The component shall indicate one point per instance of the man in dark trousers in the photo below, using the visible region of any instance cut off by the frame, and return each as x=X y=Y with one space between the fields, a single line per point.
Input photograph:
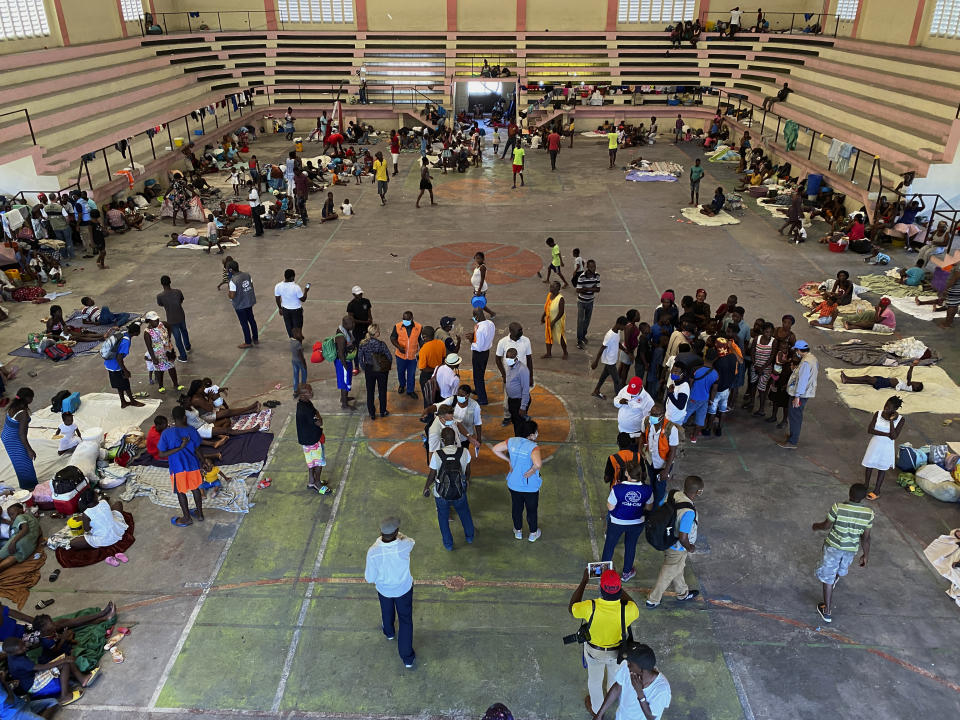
x=388 y=567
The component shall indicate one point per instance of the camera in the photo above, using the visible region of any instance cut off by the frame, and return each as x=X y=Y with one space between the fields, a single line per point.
x=580 y=636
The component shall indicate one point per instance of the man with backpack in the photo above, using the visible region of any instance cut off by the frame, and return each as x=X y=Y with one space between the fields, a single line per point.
x=673 y=528
x=448 y=479
x=113 y=351
x=607 y=621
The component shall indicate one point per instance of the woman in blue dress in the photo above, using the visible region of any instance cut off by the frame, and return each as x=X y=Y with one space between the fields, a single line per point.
x=523 y=480
x=14 y=438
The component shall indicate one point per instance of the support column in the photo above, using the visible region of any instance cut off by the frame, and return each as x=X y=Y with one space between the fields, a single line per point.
x=611 y=15
x=521 y=15
x=123 y=23
x=62 y=22
x=270 y=7
x=451 y=15
x=918 y=18
x=360 y=13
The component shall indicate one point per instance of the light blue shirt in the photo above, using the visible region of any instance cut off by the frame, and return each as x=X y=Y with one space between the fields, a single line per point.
x=388 y=566
x=803 y=378
x=520 y=450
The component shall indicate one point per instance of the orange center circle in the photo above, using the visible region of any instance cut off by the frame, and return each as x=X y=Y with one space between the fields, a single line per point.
x=453 y=264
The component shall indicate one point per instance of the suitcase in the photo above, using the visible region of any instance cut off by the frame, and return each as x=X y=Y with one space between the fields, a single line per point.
x=67 y=485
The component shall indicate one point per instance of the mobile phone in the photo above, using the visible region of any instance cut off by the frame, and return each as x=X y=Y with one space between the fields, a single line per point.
x=595 y=569
x=308 y=286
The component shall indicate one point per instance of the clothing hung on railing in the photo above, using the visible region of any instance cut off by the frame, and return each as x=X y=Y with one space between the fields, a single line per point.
x=791 y=131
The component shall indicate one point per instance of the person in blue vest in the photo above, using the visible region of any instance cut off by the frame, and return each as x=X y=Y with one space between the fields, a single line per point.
x=629 y=500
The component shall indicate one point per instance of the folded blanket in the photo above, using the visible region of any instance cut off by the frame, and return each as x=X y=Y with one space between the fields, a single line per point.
x=694 y=215
x=886 y=285
x=16 y=581
x=81 y=558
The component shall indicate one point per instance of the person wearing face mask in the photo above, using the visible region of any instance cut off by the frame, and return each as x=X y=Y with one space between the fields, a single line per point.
x=431 y=357
x=516 y=386
x=514 y=340
x=450 y=476
x=466 y=411
x=444 y=418
x=659 y=440
x=405 y=337
x=523 y=479
x=446 y=377
x=677 y=394
x=480 y=341
x=373 y=357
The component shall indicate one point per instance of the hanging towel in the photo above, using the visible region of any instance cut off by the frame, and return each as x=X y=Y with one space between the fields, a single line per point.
x=834 y=152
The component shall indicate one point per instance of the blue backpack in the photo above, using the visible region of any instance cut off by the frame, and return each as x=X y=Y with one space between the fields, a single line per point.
x=910 y=459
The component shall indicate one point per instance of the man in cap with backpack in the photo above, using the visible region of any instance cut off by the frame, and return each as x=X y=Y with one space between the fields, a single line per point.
x=673 y=528
x=449 y=478
x=113 y=351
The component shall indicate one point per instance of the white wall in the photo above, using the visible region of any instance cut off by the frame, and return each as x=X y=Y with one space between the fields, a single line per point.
x=943 y=179
x=21 y=174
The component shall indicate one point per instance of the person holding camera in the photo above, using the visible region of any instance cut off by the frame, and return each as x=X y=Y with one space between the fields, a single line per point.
x=641 y=689
x=603 y=633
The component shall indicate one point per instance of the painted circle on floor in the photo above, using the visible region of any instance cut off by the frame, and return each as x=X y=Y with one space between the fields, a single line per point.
x=398 y=438
x=453 y=264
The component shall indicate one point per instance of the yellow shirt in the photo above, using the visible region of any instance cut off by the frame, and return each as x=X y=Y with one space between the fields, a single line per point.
x=380 y=168
x=605 y=629
x=612 y=140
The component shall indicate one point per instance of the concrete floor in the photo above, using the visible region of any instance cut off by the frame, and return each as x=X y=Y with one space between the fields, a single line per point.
x=266 y=615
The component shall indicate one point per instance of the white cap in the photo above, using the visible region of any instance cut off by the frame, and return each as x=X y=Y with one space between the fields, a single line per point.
x=151 y=316
x=356 y=290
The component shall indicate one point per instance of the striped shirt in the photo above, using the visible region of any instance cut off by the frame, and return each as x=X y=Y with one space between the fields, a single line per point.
x=587 y=287
x=850 y=520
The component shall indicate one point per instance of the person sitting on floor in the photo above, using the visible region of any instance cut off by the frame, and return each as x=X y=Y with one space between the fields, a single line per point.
x=881 y=320
x=57 y=328
x=880 y=382
x=47 y=679
x=24 y=536
x=103 y=523
x=116 y=222
x=132 y=215
x=877 y=257
x=716 y=205
x=826 y=311
x=912 y=276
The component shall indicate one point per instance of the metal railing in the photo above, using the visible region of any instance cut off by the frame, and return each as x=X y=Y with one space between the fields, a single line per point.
x=936 y=207
x=33 y=136
x=22 y=194
x=184 y=21
x=779 y=22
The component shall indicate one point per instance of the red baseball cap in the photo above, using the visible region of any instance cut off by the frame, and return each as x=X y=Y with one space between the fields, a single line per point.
x=610 y=582
x=634 y=386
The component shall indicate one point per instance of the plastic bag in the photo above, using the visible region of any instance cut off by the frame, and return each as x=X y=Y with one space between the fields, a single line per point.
x=936 y=481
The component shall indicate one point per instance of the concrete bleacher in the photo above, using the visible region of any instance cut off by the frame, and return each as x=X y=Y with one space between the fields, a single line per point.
x=88 y=97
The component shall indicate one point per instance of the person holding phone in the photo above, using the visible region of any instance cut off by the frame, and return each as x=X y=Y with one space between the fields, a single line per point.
x=606 y=632
x=290 y=299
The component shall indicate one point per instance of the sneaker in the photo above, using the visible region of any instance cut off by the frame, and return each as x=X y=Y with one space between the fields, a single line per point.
x=822 y=612
x=718 y=432
x=183 y=360
x=691 y=594
x=706 y=432
x=787 y=445
x=534 y=536
x=518 y=534
x=651 y=606
x=628 y=575
x=410 y=665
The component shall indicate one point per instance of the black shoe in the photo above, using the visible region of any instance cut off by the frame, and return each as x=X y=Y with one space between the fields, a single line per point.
x=718 y=432
x=373 y=417
x=400 y=390
x=412 y=395
x=689 y=596
x=384 y=413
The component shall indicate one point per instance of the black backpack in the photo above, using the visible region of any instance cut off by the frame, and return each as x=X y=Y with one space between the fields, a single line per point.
x=661 y=524
x=451 y=484
x=67 y=480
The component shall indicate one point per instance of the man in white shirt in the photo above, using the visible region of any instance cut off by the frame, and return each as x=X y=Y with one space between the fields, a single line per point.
x=446 y=376
x=633 y=404
x=516 y=340
x=449 y=451
x=735 y=15
x=608 y=354
x=256 y=210
x=290 y=299
x=480 y=343
x=643 y=691
x=388 y=567
x=466 y=411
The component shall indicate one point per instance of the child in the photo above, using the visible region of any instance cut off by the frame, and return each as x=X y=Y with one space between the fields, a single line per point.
x=357 y=172
x=153 y=435
x=215 y=394
x=826 y=311
x=496 y=141
x=327 y=212
x=213 y=236
x=235 y=181
x=879 y=382
x=912 y=276
x=579 y=265
x=656 y=365
x=69 y=434
x=99 y=239
x=46 y=680
x=337 y=180
x=779 y=377
x=346 y=209
x=298 y=360
x=90 y=314
x=227 y=272
x=556 y=262
x=876 y=257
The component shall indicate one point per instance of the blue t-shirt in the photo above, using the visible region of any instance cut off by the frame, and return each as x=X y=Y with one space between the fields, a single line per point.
x=183 y=460
x=20 y=668
x=684 y=525
x=628 y=500
x=914 y=276
x=909 y=215
x=123 y=348
x=520 y=450
x=8 y=626
x=703 y=380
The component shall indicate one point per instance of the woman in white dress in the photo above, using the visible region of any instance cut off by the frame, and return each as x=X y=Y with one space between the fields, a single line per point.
x=479 y=282
x=884 y=428
x=103 y=523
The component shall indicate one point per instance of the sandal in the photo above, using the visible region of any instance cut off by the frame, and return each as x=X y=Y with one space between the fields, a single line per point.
x=77 y=694
x=94 y=676
x=44 y=604
x=271 y=403
x=872 y=496
x=121 y=557
x=196 y=514
x=112 y=561
x=175 y=521
x=54 y=575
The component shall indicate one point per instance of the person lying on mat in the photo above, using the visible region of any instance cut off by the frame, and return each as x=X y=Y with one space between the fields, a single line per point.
x=57 y=328
x=826 y=312
x=24 y=535
x=207 y=447
x=716 y=205
x=880 y=382
x=178 y=239
x=103 y=522
x=883 y=319
x=51 y=679
x=208 y=406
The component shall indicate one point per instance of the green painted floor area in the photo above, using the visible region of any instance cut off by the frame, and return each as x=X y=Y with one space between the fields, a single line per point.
x=493 y=612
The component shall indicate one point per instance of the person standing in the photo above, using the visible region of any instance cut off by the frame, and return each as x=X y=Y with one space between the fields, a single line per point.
x=479 y=281
x=629 y=500
x=514 y=339
x=242 y=296
x=608 y=353
x=375 y=359
x=518 y=153
x=382 y=175
x=171 y=300
x=180 y=445
x=849 y=526
x=553 y=147
x=388 y=567
x=659 y=440
x=554 y=320
x=256 y=209
x=641 y=689
x=405 y=337
x=310 y=437
x=301 y=189
x=801 y=387
x=361 y=310
x=290 y=299
x=609 y=616
x=675 y=556
x=523 y=479
x=512 y=131
x=431 y=356
x=298 y=361
x=426 y=181
x=160 y=353
x=588 y=285
x=696 y=175
x=394 y=149
x=678 y=129
x=516 y=387
x=448 y=480
x=480 y=343
x=735 y=18
x=343 y=362
x=612 y=144
x=117 y=369
x=16 y=423
x=884 y=429
x=633 y=404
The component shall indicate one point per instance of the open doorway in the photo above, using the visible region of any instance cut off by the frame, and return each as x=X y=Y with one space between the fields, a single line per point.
x=482 y=96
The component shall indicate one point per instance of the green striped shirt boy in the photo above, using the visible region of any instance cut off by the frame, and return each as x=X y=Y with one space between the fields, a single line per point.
x=850 y=520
